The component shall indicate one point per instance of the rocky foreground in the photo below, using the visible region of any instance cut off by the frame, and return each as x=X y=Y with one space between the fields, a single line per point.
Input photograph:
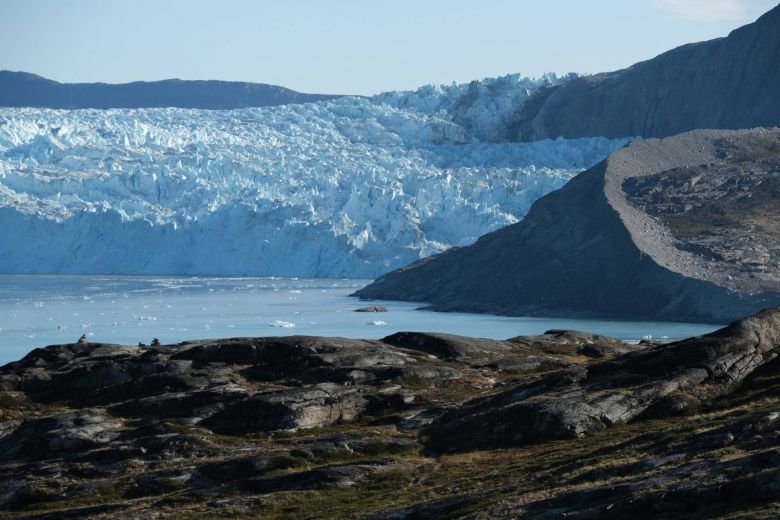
x=684 y=228
x=416 y=425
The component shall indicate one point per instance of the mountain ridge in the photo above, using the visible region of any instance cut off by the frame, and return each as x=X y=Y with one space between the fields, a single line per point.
x=25 y=89
x=726 y=83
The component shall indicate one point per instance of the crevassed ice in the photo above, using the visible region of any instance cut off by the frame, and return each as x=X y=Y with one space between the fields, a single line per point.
x=352 y=187
x=485 y=109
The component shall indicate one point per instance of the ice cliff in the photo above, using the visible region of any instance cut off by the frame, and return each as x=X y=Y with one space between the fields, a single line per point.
x=348 y=187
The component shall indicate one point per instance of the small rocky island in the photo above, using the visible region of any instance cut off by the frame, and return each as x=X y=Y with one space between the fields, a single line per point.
x=566 y=424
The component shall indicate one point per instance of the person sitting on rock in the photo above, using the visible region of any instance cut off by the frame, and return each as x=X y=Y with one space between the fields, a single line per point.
x=83 y=340
x=156 y=342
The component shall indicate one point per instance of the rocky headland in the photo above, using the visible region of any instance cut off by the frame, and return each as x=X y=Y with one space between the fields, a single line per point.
x=415 y=425
x=685 y=228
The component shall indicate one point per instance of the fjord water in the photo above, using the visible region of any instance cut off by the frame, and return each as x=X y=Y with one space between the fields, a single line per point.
x=41 y=310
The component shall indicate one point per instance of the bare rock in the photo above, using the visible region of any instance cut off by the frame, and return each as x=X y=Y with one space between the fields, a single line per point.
x=372 y=308
x=310 y=407
x=59 y=435
x=580 y=400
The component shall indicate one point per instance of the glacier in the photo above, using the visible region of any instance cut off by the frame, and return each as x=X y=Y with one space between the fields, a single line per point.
x=486 y=109
x=351 y=187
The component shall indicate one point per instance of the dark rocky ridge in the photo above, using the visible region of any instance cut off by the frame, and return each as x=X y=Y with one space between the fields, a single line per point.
x=337 y=428
x=657 y=231
x=21 y=89
x=726 y=83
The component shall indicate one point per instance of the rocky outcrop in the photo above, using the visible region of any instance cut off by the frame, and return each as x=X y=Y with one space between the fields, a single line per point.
x=658 y=381
x=448 y=346
x=21 y=89
x=573 y=342
x=340 y=428
x=726 y=83
x=682 y=229
x=321 y=405
x=372 y=308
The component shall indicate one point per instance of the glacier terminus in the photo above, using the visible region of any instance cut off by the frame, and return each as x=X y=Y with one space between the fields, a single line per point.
x=346 y=187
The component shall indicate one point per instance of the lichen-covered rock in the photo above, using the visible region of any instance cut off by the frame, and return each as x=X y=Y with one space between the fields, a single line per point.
x=583 y=399
x=310 y=407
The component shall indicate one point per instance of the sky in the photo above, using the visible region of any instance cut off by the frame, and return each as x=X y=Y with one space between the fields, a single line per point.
x=350 y=46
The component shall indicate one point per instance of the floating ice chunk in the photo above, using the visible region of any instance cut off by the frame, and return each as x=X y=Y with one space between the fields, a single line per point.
x=378 y=323
x=282 y=324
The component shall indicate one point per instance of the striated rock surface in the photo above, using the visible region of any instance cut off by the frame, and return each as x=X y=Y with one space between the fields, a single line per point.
x=657 y=381
x=684 y=228
x=724 y=83
x=414 y=425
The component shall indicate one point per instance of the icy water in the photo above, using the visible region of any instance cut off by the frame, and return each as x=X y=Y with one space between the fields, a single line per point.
x=42 y=310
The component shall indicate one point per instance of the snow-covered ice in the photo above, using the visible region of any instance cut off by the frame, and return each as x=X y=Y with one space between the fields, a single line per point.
x=352 y=187
x=282 y=324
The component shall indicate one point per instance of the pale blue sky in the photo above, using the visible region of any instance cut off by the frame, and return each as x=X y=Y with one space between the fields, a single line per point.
x=349 y=46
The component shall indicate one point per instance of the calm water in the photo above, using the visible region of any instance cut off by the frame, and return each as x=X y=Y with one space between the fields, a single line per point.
x=41 y=310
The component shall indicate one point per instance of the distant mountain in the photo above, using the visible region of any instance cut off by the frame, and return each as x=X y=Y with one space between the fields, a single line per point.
x=726 y=83
x=21 y=89
x=681 y=229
